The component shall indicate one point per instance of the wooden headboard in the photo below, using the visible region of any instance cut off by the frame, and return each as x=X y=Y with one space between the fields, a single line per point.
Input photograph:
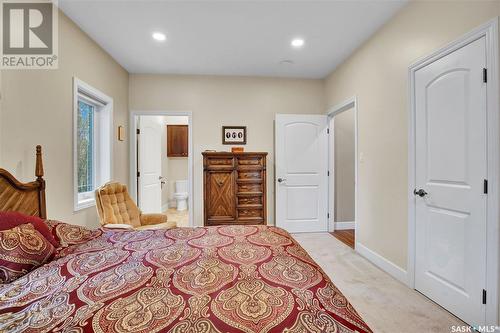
x=26 y=198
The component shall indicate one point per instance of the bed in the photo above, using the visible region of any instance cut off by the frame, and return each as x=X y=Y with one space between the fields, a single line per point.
x=208 y=279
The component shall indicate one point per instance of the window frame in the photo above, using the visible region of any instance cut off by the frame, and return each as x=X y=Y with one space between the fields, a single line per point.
x=103 y=140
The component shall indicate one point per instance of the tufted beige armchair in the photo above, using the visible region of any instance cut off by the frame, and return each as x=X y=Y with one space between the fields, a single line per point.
x=115 y=207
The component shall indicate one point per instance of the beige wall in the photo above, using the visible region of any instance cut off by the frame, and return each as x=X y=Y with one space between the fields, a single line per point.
x=377 y=73
x=344 y=165
x=1 y=120
x=37 y=108
x=216 y=101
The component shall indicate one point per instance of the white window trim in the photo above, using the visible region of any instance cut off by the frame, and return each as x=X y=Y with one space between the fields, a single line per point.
x=104 y=153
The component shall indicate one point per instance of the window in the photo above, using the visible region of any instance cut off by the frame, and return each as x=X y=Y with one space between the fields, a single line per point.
x=85 y=147
x=93 y=112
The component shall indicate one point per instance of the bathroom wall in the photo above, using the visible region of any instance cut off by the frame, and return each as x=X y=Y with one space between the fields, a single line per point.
x=173 y=168
x=344 y=152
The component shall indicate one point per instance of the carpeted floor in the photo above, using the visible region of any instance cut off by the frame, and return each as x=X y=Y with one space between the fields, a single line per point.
x=384 y=303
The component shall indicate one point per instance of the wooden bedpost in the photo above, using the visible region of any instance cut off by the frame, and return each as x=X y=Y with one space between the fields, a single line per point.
x=41 y=181
x=39 y=163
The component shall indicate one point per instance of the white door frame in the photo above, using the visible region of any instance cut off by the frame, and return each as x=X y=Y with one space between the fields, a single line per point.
x=133 y=152
x=350 y=103
x=488 y=30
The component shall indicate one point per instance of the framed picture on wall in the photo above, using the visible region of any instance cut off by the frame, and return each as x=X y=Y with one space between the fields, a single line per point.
x=234 y=135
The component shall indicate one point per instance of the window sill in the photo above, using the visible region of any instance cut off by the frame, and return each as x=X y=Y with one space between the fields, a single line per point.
x=83 y=204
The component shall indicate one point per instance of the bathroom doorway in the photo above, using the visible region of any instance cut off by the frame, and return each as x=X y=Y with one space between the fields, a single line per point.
x=343 y=171
x=161 y=162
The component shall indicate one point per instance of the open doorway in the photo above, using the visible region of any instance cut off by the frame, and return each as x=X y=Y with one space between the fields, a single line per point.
x=343 y=166
x=161 y=164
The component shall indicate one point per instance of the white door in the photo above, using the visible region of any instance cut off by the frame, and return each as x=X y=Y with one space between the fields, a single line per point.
x=451 y=158
x=301 y=172
x=149 y=164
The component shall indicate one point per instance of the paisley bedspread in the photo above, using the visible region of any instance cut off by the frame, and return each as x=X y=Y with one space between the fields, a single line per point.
x=217 y=279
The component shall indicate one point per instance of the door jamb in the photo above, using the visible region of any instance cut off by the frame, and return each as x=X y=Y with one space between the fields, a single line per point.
x=350 y=103
x=133 y=152
x=489 y=30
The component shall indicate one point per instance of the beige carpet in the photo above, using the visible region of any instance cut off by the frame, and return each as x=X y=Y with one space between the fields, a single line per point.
x=385 y=304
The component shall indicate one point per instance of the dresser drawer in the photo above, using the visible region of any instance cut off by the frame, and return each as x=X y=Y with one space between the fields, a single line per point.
x=250 y=162
x=249 y=175
x=217 y=162
x=249 y=213
x=249 y=200
x=245 y=188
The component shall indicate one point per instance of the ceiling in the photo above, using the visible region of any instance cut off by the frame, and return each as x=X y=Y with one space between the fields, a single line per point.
x=248 y=38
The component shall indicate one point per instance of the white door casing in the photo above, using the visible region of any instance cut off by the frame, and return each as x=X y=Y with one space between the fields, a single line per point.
x=451 y=166
x=149 y=164
x=301 y=155
x=350 y=103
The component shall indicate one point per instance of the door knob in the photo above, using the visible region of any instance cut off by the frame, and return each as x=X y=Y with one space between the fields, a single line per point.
x=421 y=192
x=281 y=180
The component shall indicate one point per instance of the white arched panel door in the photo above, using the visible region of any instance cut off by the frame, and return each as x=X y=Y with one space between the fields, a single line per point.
x=301 y=172
x=451 y=168
x=149 y=164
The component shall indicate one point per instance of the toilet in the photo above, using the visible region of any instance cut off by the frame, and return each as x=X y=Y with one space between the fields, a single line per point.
x=181 y=194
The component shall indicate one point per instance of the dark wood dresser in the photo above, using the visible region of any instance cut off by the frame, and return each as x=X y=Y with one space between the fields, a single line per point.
x=234 y=186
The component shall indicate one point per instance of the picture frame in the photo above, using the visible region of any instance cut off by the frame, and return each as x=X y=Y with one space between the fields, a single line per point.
x=234 y=135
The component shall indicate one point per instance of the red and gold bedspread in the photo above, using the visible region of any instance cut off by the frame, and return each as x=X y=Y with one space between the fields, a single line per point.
x=217 y=279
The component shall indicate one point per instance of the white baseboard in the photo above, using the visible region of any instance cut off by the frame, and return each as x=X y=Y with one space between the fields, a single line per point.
x=331 y=226
x=344 y=225
x=387 y=266
x=340 y=225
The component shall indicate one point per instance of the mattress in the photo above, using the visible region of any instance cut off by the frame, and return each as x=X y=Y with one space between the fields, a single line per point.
x=216 y=279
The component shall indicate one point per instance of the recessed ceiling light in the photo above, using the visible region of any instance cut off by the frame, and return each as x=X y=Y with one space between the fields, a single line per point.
x=286 y=62
x=159 y=36
x=297 y=43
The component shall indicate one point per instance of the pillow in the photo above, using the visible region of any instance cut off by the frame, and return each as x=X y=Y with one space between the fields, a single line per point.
x=9 y=220
x=22 y=249
x=71 y=234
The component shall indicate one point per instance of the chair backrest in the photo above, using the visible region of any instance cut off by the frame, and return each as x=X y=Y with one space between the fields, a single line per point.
x=114 y=205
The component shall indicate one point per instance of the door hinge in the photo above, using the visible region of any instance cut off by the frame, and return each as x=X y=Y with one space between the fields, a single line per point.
x=484 y=296
x=485 y=186
x=138 y=174
x=485 y=75
x=138 y=131
x=328 y=173
x=327 y=215
x=327 y=131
